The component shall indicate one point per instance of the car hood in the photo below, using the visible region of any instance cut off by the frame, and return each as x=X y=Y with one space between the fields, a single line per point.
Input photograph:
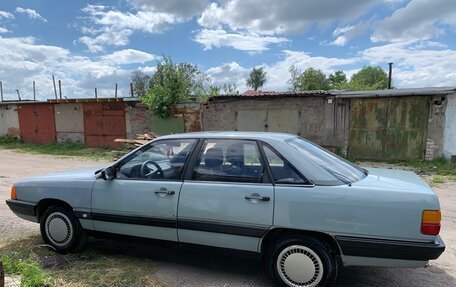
x=74 y=174
x=394 y=179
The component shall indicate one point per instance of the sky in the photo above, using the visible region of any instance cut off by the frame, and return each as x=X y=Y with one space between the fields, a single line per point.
x=96 y=44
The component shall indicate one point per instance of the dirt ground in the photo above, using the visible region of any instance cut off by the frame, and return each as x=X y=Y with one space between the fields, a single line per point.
x=189 y=267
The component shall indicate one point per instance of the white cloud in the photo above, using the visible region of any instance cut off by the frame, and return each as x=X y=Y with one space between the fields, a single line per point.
x=32 y=14
x=25 y=61
x=3 y=30
x=229 y=73
x=128 y=56
x=346 y=33
x=185 y=9
x=277 y=17
x=251 y=42
x=6 y=15
x=420 y=19
x=114 y=27
x=417 y=63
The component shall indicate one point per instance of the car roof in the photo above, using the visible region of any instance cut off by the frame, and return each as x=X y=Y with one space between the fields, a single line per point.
x=232 y=134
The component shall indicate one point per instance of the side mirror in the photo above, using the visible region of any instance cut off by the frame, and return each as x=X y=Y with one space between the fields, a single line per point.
x=108 y=173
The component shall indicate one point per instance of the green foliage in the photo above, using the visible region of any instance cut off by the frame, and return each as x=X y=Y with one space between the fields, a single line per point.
x=309 y=80
x=141 y=83
x=257 y=78
x=230 y=89
x=173 y=83
x=337 y=80
x=369 y=78
x=438 y=179
x=31 y=273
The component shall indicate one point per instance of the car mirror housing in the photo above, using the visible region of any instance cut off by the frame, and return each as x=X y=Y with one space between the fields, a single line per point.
x=108 y=173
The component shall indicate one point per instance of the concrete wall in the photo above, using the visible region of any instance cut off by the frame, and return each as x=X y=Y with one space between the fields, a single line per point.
x=323 y=120
x=436 y=124
x=449 y=134
x=69 y=122
x=9 y=121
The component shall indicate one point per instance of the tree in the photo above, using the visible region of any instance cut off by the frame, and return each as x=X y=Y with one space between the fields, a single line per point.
x=257 y=78
x=141 y=83
x=369 y=78
x=337 y=80
x=309 y=80
x=173 y=83
x=230 y=89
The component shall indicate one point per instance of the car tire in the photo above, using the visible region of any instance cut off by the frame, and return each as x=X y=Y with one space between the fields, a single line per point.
x=62 y=230
x=298 y=261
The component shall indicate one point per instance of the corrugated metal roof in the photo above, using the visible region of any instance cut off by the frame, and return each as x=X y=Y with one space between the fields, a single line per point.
x=344 y=93
x=396 y=92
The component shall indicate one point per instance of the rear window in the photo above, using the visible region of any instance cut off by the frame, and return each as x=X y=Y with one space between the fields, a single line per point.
x=339 y=167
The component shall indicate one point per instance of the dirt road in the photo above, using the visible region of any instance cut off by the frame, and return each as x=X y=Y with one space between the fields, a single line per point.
x=187 y=267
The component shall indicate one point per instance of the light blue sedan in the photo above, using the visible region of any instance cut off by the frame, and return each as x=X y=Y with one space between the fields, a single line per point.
x=305 y=210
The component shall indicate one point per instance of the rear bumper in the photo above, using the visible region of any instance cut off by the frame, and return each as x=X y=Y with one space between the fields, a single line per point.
x=391 y=249
x=22 y=207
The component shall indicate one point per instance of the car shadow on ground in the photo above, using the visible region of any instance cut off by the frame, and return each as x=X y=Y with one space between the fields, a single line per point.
x=197 y=266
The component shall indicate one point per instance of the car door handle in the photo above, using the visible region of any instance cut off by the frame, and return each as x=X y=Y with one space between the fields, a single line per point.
x=164 y=191
x=256 y=196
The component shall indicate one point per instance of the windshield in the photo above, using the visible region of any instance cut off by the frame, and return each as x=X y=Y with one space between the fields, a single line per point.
x=344 y=170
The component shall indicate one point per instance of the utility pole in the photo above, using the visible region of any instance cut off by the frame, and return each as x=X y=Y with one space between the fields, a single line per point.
x=115 y=94
x=1 y=91
x=390 y=74
x=60 y=89
x=55 y=89
x=96 y=93
x=34 y=92
x=18 y=95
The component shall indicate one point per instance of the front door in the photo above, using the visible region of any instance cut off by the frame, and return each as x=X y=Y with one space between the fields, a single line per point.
x=228 y=199
x=142 y=199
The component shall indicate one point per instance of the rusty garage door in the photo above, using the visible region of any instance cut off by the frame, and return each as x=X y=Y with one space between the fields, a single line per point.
x=388 y=128
x=285 y=120
x=37 y=123
x=103 y=123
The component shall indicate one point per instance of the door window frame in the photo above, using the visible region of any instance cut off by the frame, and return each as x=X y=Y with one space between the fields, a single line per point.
x=267 y=178
x=148 y=146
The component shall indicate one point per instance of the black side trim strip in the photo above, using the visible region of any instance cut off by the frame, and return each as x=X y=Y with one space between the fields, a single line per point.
x=208 y=226
x=21 y=207
x=250 y=231
x=138 y=220
x=392 y=249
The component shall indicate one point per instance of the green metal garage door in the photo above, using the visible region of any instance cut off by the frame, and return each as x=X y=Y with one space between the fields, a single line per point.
x=388 y=128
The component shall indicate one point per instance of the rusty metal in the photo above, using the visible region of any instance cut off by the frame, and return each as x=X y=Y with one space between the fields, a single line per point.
x=115 y=94
x=37 y=123
x=34 y=91
x=388 y=128
x=60 y=89
x=103 y=123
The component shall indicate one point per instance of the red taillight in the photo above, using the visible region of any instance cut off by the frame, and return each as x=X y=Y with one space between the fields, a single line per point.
x=430 y=229
x=430 y=222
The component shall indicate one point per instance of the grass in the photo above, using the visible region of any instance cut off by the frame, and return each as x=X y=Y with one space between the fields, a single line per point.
x=439 y=166
x=58 y=149
x=438 y=179
x=39 y=266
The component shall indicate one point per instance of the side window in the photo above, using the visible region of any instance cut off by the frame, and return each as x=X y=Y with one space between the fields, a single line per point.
x=162 y=160
x=282 y=171
x=229 y=161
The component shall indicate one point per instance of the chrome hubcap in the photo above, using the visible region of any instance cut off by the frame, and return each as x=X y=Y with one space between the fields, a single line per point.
x=299 y=266
x=59 y=229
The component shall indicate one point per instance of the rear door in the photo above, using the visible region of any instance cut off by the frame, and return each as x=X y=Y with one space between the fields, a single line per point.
x=227 y=200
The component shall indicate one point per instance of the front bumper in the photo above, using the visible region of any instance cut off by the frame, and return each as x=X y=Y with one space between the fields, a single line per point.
x=22 y=207
x=391 y=249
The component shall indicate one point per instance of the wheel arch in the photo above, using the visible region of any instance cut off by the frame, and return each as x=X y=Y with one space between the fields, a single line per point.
x=48 y=202
x=272 y=235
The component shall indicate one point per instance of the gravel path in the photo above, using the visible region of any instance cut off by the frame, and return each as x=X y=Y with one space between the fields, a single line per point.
x=188 y=267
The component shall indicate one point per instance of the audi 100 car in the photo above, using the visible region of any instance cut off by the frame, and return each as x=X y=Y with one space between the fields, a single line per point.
x=306 y=211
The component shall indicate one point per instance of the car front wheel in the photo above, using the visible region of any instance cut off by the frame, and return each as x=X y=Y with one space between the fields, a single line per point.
x=301 y=261
x=62 y=230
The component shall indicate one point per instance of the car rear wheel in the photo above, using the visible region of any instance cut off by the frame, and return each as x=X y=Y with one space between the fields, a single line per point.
x=62 y=230
x=301 y=261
